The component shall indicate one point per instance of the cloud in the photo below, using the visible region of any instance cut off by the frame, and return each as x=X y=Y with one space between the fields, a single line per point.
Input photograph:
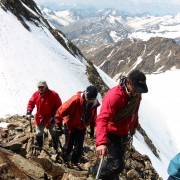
x=173 y=2
x=113 y=2
x=157 y=7
x=176 y=2
x=141 y=1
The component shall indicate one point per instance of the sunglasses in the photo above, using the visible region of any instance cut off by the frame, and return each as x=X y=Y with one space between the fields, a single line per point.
x=41 y=87
x=91 y=99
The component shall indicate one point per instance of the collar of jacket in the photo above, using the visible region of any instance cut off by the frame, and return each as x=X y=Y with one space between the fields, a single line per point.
x=45 y=92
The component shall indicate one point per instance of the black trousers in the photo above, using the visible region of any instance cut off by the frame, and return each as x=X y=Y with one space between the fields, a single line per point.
x=114 y=163
x=74 y=143
x=171 y=178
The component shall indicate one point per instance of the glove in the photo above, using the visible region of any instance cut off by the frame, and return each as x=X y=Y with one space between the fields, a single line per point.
x=59 y=130
x=133 y=132
x=92 y=133
x=28 y=115
x=52 y=120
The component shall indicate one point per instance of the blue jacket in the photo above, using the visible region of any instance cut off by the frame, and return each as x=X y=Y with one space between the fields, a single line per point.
x=174 y=167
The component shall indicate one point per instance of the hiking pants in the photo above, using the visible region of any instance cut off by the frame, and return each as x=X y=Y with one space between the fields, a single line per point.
x=40 y=132
x=114 y=163
x=74 y=141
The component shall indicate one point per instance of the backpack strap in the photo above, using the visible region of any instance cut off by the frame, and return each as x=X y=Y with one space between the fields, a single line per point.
x=128 y=110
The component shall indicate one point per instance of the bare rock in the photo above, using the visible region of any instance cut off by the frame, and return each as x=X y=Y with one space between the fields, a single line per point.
x=132 y=175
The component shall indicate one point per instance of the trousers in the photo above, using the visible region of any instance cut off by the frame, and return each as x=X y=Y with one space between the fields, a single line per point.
x=113 y=164
x=74 y=141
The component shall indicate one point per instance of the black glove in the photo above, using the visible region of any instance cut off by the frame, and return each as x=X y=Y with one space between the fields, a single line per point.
x=28 y=115
x=52 y=120
x=59 y=130
x=133 y=132
x=28 y=112
x=92 y=133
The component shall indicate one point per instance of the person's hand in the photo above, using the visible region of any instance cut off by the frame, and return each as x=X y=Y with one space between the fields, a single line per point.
x=52 y=120
x=133 y=132
x=59 y=129
x=101 y=150
x=29 y=115
x=91 y=133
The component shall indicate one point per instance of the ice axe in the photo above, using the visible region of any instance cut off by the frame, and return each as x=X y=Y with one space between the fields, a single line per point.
x=99 y=168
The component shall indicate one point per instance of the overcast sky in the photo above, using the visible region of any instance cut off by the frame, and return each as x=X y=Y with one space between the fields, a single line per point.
x=156 y=7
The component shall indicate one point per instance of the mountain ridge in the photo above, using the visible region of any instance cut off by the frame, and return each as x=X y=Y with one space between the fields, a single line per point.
x=156 y=55
x=108 y=29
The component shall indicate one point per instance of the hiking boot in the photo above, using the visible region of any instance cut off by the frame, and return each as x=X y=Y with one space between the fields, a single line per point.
x=63 y=158
x=92 y=172
x=54 y=151
x=36 y=150
x=76 y=167
x=67 y=165
x=39 y=141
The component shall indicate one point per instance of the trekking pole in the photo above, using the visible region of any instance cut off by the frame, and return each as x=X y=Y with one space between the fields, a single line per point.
x=60 y=145
x=31 y=130
x=99 y=168
x=30 y=125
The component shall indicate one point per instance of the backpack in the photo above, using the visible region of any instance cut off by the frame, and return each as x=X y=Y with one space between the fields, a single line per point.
x=174 y=167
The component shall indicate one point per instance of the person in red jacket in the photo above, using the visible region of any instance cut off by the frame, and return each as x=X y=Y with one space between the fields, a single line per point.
x=117 y=122
x=77 y=113
x=47 y=102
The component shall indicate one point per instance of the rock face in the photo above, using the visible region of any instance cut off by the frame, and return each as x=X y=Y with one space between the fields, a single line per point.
x=154 y=56
x=18 y=159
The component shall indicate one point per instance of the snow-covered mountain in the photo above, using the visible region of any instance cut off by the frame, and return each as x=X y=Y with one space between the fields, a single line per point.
x=149 y=26
x=31 y=50
x=115 y=41
x=112 y=26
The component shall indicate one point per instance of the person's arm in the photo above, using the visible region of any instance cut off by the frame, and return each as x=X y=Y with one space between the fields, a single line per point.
x=31 y=104
x=65 y=109
x=92 y=123
x=105 y=115
x=101 y=133
x=58 y=102
x=111 y=102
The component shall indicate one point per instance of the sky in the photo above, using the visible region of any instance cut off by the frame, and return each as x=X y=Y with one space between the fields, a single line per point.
x=155 y=7
x=29 y=56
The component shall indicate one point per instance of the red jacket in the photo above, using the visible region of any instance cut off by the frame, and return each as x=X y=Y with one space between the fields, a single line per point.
x=71 y=112
x=114 y=100
x=46 y=105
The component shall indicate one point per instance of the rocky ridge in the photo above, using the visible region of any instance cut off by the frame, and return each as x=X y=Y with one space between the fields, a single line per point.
x=19 y=160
